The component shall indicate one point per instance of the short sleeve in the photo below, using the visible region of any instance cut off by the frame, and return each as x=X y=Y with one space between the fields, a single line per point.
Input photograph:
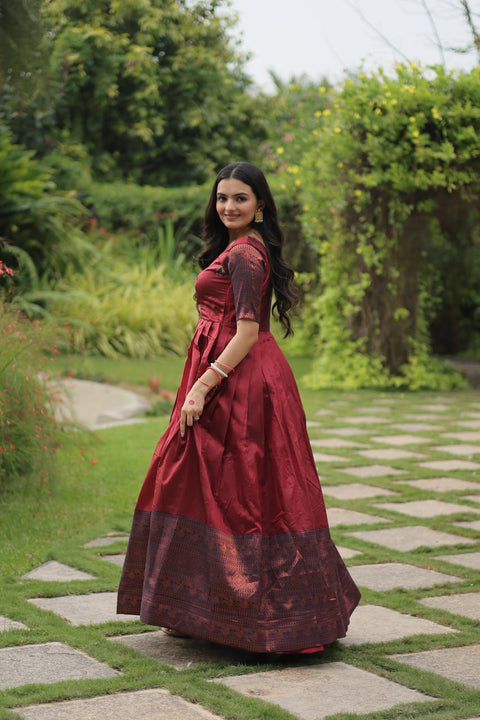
x=246 y=268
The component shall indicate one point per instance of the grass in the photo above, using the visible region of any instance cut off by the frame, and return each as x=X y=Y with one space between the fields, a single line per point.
x=95 y=492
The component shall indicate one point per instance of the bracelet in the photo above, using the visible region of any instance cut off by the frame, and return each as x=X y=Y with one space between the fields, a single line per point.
x=204 y=383
x=217 y=373
x=225 y=365
x=218 y=370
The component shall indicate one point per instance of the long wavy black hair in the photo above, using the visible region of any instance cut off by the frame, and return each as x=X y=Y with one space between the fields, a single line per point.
x=216 y=237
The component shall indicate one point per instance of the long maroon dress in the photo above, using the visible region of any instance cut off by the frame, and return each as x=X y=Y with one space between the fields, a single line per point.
x=230 y=538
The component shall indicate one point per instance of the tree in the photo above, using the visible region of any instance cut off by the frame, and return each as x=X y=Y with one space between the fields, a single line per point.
x=391 y=199
x=153 y=89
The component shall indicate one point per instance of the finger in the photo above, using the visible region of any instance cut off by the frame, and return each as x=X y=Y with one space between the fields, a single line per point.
x=182 y=424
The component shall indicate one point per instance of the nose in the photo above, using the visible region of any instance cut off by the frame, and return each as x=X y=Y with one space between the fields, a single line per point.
x=229 y=205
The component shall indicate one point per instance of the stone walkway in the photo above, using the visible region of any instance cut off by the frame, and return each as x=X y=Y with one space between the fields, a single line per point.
x=406 y=518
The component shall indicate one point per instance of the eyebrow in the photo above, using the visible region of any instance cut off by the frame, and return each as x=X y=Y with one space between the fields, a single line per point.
x=239 y=194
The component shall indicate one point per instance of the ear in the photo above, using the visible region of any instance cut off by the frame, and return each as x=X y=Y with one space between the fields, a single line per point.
x=261 y=205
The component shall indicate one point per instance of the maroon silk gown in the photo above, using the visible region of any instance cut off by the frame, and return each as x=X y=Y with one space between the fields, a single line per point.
x=230 y=538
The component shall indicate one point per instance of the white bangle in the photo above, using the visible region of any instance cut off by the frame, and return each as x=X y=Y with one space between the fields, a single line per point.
x=218 y=370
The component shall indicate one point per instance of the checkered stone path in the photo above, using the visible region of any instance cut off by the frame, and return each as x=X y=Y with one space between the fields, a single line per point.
x=313 y=693
x=387 y=576
x=410 y=537
x=442 y=484
x=48 y=663
x=376 y=624
x=8 y=624
x=56 y=572
x=467 y=604
x=468 y=559
x=426 y=508
x=141 y=705
x=90 y=609
x=354 y=491
x=458 y=664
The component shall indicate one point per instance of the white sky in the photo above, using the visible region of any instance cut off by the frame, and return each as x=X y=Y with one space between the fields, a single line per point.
x=325 y=37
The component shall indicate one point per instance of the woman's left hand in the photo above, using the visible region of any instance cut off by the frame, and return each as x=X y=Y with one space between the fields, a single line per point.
x=192 y=409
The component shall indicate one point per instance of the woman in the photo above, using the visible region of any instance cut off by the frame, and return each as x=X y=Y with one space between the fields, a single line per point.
x=230 y=538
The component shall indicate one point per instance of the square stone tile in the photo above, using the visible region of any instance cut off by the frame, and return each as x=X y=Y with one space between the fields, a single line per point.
x=353 y=491
x=323 y=457
x=102 y=541
x=473 y=424
x=89 y=609
x=434 y=407
x=181 y=653
x=422 y=416
x=412 y=427
x=448 y=465
x=347 y=553
x=373 y=409
x=53 y=571
x=140 y=705
x=370 y=471
x=425 y=508
x=363 y=419
x=7 y=624
x=465 y=449
x=389 y=454
x=339 y=516
x=469 y=560
x=473 y=414
x=345 y=431
x=442 y=484
x=323 y=411
x=48 y=663
x=335 y=442
x=400 y=439
x=472 y=498
x=377 y=624
x=466 y=604
x=410 y=537
x=313 y=424
x=469 y=524
x=458 y=664
x=387 y=576
x=115 y=559
x=467 y=436
x=315 y=692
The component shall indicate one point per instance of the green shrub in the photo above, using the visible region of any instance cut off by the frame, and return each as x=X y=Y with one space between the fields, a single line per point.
x=390 y=188
x=29 y=432
x=126 y=304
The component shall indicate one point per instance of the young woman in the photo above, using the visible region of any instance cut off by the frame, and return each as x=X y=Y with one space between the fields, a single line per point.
x=230 y=538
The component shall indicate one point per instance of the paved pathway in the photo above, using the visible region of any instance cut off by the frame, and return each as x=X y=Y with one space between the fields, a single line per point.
x=439 y=527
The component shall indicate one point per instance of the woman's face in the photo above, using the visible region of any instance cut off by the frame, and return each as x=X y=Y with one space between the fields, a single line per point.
x=236 y=205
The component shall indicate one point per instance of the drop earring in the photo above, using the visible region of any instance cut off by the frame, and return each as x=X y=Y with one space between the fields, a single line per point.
x=258 y=215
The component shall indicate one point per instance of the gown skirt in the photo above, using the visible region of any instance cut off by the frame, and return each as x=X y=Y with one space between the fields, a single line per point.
x=230 y=540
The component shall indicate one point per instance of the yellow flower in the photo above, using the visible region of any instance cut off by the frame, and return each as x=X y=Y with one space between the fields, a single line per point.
x=297 y=182
x=435 y=113
x=412 y=119
x=327 y=112
x=337 y=130
x=357 y=193
x=377 y=111
x=318 y=113
x=293 y=169
x=279 y=150
x=321 y=89
x=415 y=133
x=340 y=164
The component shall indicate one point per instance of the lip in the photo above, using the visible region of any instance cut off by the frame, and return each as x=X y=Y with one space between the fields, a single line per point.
x=231 y=217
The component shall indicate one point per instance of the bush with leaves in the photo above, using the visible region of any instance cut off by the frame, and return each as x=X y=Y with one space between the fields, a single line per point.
x=392 y=178
x=129 y=300
x=39 y=232
x=29 y=432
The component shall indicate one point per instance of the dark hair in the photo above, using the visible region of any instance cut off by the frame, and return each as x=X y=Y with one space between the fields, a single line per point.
x=216 y=237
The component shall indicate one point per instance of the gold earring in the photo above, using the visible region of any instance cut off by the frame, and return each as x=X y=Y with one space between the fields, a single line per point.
x=258 y=215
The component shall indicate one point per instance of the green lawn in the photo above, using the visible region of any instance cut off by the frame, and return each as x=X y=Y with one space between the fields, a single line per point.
x=98 y=481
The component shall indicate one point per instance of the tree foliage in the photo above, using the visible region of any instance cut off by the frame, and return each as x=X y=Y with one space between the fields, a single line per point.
x=392 y=185
x=153 y=90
